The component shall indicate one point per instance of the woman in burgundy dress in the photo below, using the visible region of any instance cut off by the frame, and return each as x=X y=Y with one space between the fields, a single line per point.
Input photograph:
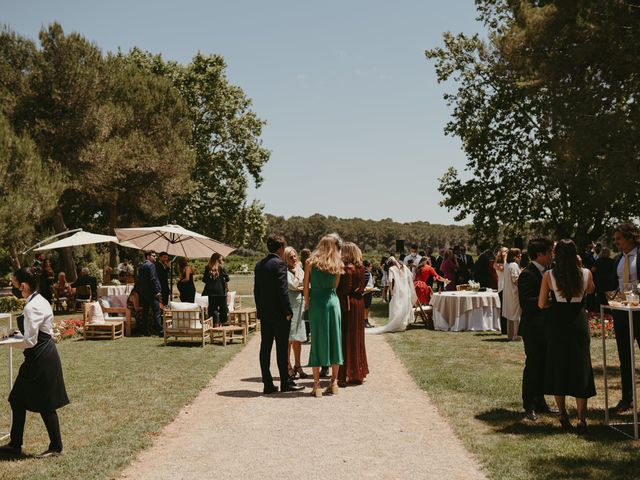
x=450 y=269
x=423 y=273
x=350 y=290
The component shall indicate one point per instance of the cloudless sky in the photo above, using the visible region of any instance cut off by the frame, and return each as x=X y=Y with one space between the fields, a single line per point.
x=354 y=114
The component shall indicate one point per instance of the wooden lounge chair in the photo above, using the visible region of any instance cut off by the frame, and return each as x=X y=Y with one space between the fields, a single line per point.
x=186 y=323
x=96 y=326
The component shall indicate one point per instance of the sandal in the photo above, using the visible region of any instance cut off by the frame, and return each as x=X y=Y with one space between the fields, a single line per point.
x=581 y=426
x=564 y=421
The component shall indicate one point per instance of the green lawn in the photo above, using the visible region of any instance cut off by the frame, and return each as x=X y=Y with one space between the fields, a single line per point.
x=122 y=393
x=475 y=381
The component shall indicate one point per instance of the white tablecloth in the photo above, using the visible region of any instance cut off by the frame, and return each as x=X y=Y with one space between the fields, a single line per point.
x=460 y=311
x=112 y=290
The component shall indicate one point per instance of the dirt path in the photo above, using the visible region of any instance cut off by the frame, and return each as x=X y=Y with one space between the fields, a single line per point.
x=386 y=428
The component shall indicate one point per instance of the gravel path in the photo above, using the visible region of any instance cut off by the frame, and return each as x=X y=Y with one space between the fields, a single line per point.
x=386 y=428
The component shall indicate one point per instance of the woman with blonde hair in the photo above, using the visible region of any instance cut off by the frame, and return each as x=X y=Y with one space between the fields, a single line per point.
x=511 y=302
x=216 y=282
x=297 y=332
x=350 y=292
x=322 y=271
x=498 y=265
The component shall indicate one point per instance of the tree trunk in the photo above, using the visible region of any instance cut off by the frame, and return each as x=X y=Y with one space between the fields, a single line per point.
x=113 y=223
x=67 y=253
x=15 y=257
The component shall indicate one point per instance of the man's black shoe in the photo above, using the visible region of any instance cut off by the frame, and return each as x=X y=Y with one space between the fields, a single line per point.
x=622 y=406
x=49 y=453
x=531 y=415
x=547 y=409
x=268 y=389
x=367 y=324
x=9 y=451
x=291 y=387
x=324 y=372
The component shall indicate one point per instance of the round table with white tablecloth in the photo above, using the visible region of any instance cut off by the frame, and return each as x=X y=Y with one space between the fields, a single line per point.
x=106 y=291
x=466 y=310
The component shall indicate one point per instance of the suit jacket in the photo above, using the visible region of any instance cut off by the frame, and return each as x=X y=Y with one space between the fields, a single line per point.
x=529 y=284
x=163 y=277
x=271 y=289
x=148 y=281
x=614 y=273
x=87 y=280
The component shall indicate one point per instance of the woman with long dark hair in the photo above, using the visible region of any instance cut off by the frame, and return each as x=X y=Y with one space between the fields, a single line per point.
x=216 y=282
x=568 y=368
x=186 y=286
x=39 y=386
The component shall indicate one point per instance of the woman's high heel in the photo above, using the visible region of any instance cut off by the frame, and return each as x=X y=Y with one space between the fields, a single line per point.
x=298 y=370
x=316 y=392
x=564 y=421
x=581 y=426
x=332 y=389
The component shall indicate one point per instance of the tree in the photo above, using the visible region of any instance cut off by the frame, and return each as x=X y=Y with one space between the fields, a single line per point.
x=226 y=141
x=29 y=189
x=547 y=110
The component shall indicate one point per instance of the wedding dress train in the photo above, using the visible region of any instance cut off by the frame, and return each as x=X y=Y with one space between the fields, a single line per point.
x=402 y=301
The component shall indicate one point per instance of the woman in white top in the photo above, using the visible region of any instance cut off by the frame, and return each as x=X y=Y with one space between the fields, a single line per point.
x=568 y=368
x=510 y=302
x=403 y=297
x=39 y=386
x=297 y=331
x=499 y=264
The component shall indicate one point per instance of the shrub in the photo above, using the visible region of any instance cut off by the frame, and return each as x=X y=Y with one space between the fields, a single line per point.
x=12 y=304
x=595 y=325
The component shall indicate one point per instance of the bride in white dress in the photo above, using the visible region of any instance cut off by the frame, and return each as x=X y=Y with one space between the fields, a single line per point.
x=402 y=300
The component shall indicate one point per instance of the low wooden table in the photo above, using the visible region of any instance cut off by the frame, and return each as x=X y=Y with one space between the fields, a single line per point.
x=229 y=333
x=248 y=317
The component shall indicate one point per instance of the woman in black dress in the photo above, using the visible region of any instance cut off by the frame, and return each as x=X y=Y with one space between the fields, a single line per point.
x=39 y=386
x=568 y=368
x=216 y=281
x=186 y=287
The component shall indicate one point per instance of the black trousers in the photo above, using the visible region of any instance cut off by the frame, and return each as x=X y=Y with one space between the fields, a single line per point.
x=535 y=349
x=277 y=330
x=153 y=305
x=50 y=421
x=621 y=326
x=503 y=320
x=218 y=309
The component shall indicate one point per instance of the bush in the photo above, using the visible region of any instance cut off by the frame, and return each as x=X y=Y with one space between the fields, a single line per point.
x=12 y=304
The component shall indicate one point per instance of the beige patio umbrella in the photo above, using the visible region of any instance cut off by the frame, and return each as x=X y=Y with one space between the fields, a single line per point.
x=77 y=239
x=172 y=239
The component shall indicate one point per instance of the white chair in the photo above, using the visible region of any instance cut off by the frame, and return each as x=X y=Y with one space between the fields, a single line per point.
x=186 y=321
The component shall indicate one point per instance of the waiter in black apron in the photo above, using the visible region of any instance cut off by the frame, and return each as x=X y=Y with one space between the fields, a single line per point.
x=39 y=386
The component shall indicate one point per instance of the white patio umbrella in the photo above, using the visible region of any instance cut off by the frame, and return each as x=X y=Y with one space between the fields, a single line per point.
x=77 y=239
x=174 y=240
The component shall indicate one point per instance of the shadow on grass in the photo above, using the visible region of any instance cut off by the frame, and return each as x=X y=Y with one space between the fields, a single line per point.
x=496 y=340
x=563 y=466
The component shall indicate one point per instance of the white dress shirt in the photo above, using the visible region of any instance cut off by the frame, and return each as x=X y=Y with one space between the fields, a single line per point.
x=633 y=270
x=38 y=316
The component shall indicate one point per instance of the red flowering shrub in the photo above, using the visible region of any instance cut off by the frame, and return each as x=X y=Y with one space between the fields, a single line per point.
x=595 y=325
x=67 y=329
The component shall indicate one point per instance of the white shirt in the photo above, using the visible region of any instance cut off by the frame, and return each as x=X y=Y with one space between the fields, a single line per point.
x=633 y=270
x=412 y=256
x=38 y=316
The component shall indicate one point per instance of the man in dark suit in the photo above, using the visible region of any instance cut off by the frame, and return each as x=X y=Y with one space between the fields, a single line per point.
x=271 y=293
x=626 y=238
x=532 y=327
x=162 y=270
x=150 y=294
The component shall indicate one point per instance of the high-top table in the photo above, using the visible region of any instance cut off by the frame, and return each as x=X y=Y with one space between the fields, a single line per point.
x=621 y=308
x=466 y=310
x=8 y=342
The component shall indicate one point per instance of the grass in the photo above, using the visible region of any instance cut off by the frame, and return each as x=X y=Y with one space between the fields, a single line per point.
x=122 y=393
x=475 y=381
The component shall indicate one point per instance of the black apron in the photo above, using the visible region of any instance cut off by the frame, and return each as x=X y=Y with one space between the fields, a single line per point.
x=39 y=386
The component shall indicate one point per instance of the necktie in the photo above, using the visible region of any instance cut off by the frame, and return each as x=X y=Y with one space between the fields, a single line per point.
x=626 y=274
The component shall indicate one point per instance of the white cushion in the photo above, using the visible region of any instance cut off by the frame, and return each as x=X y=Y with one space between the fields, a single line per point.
x=119 y=301
x=95 y=314
x=183 y=306
x=202 y=301
x=231 y=301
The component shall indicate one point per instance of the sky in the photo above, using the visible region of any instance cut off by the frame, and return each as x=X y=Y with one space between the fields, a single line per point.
x=354 y=113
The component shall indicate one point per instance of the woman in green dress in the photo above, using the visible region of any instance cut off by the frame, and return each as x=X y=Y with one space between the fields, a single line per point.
x=322 y=274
